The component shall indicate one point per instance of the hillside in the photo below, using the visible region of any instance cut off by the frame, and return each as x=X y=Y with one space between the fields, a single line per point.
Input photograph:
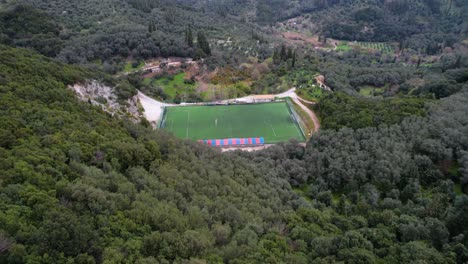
x=85 y=178
x=80 y=186
x=110 y=32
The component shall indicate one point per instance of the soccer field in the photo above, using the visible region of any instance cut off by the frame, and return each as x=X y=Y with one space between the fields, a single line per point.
x=273 y=121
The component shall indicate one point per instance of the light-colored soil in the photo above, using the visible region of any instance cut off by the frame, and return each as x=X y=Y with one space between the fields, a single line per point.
x=248 y=149
x=298 y=37
x=302 y=38
x=153 y=109
x=251 y=149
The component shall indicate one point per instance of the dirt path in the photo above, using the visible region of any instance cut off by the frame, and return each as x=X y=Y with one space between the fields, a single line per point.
x=305 y=101
x=292 y=94
x=309 y=112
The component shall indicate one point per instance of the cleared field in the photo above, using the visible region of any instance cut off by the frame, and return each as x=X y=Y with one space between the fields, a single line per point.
x=370 y=91
x=129 y=66
x=384 y=47
x=176 y=83
x=273 y=121
x=343 y=46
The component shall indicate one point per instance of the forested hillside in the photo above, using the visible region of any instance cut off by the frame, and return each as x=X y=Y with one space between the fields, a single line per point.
x=410 y=22
x=385 y=179
x=363 y=20
x=107 y=32
x=80 y=186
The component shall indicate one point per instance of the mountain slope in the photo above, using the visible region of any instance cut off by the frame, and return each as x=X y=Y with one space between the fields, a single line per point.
x=78 y=185
x=108 y=32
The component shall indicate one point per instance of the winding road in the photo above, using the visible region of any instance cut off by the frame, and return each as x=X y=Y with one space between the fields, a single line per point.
x=299 y=101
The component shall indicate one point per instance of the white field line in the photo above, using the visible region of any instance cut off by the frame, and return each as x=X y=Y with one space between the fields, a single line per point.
x=295 y=124
x=188 y=121
x=273 y=130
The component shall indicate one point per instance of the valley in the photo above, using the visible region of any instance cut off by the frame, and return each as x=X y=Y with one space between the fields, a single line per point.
x=234 y=131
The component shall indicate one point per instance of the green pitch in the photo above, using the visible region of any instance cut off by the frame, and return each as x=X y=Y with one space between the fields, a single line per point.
x=272 y=121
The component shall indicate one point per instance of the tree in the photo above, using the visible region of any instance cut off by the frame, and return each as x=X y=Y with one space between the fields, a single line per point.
x=151 y=26
x=342 y=207
x=283 y=55
x=293 y=64
x=438 y=233
x=203 y=43
x=189 y=36
x=290 y=54
x=457 y=216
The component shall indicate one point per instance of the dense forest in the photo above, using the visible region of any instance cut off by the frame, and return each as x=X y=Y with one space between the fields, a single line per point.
x=418 y=24
x=385 y=179
x=80 y=186
x=107 y=32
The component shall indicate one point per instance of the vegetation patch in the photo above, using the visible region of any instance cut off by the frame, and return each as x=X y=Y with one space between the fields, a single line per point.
x=171 y=88
x=343 y=46
x=133 y=66
x=175 y=83
x=383 y=47
x=369 y=91
x=313 y=93
x=339 y=110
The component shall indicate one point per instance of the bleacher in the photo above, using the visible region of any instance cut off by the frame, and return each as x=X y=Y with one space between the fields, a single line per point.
x=234 y=142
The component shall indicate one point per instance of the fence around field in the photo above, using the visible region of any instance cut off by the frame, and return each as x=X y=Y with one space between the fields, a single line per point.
x=162 y=120
x=297 y=118
x=230 y=102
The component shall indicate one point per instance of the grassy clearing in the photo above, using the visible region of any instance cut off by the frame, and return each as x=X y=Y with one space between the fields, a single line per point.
x=271 y=121
x=343 y=46
x=147 y=81
x=302 y=191
x=312 y=93
x=129 y=66
x=336 y=197
x=171 y=85
x=370 y=91
x=171 y=88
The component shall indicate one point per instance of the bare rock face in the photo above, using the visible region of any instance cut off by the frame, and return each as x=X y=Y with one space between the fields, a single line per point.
x=321 y=82
x=132 y=107
x=104 y=96
x=320 y=78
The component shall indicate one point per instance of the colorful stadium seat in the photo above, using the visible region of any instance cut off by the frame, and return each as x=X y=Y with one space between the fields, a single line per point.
x=226 y=142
